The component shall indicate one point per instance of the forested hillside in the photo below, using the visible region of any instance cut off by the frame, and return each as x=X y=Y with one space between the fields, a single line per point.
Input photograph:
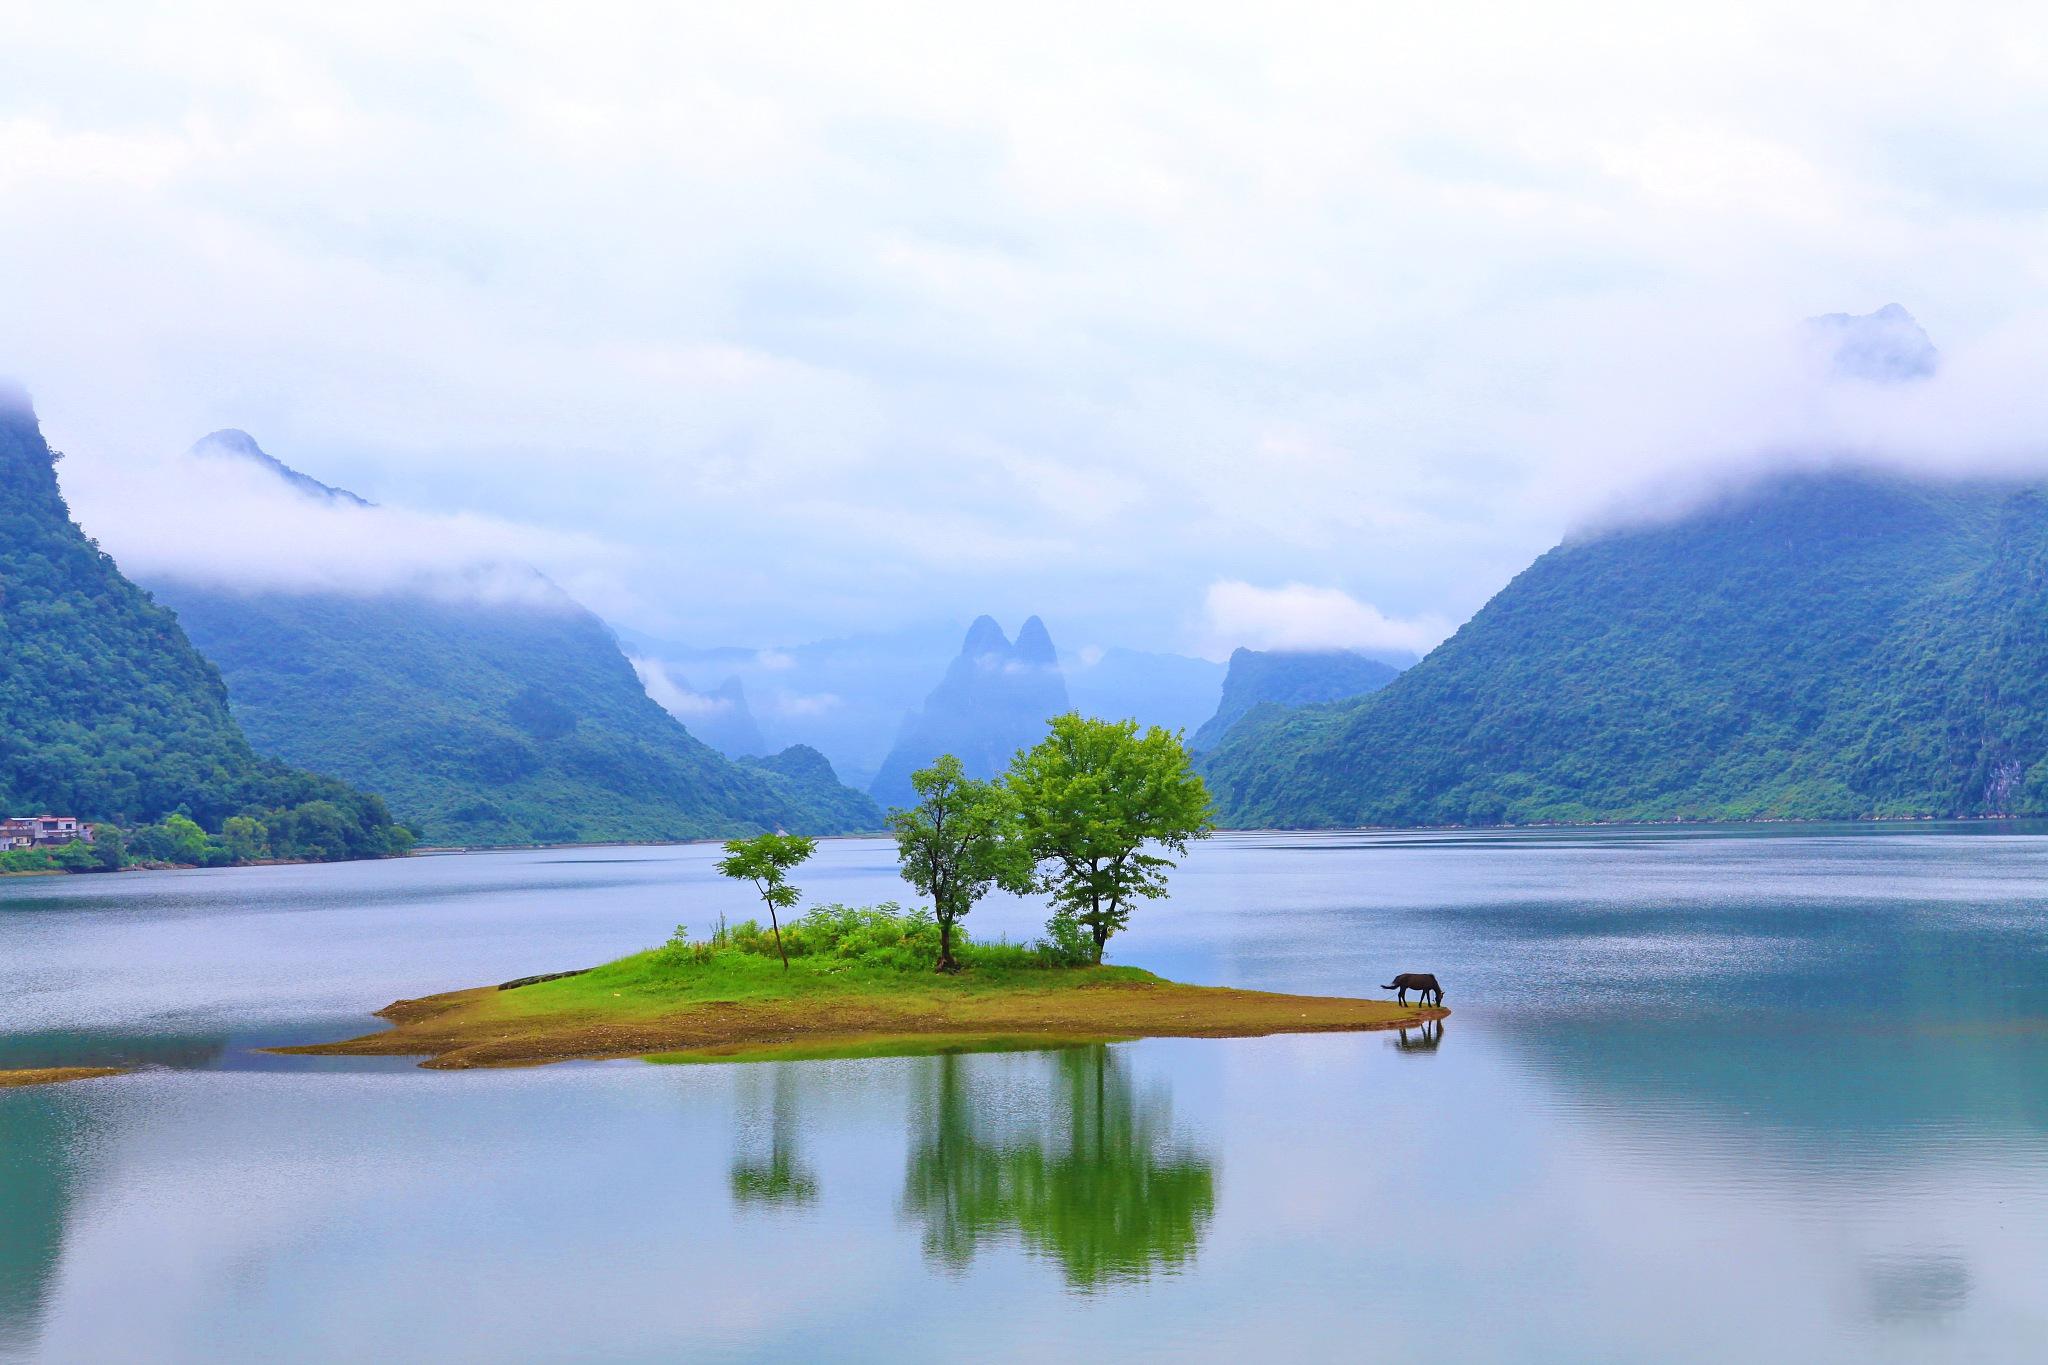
x=489 y=722
x=1826 y=646
x=1289 y=678
x=487 y=712
x=106 y=710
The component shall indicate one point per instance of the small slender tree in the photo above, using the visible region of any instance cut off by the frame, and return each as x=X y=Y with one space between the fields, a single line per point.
x=766 y=861
x=954 y=844
x=1092 y=798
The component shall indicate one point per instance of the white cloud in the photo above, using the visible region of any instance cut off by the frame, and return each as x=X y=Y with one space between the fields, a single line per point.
x=776 y=322
x=678 y=700
x=1301 y=616
x=225 y=522
x=803 y=704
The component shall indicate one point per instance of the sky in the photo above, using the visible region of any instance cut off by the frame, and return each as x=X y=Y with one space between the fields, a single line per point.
x=1182 y=326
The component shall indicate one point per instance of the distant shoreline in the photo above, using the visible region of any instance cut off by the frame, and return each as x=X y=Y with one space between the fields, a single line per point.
x=426 y=850
x=1325 y=829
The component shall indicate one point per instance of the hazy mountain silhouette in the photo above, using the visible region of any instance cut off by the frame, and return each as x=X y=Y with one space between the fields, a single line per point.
x=996 y=698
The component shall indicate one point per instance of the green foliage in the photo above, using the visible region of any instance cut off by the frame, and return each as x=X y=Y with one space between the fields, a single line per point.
x=108 y=850
x=76 y=856
x=106 y=710
x=29 y=860
x=175 y=839
x=955 y=843
x=1289 y=678
x=882 y=938
x=1068 y=942
x=245 y=838
x=766 y=860
x=1091 y=799
x=1826 y=647
x=492 y=722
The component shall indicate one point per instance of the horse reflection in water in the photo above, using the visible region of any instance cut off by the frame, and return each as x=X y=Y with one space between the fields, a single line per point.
x=1059 y=1151
x=1428 y=1037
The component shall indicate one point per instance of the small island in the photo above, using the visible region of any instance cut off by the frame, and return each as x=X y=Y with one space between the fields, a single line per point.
x=16 y=1077
x=1085 y=817
x=734 y=1004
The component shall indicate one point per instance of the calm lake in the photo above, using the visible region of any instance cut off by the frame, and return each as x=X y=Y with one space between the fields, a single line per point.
x=1705 y=1095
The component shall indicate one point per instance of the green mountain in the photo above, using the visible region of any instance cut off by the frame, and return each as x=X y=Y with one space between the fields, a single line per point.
x=1827 y=646
x=106 y=710
x=994 y=700
x=1289 y=678
x=511 y=717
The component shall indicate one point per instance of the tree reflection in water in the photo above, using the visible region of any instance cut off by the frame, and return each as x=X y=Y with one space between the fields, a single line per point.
x=1100 y=1184
x=777 y=1175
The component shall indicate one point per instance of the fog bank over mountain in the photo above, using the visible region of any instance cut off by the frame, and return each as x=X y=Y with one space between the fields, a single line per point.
x=751 y=340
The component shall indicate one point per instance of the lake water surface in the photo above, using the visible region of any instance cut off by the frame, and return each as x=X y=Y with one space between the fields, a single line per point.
x=1705 y=1095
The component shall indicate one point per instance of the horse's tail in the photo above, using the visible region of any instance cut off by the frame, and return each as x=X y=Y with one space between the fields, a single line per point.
x=1390 y=986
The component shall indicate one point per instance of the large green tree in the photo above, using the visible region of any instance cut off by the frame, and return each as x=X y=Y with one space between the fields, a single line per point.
x=954 y=844
x=766 y=860
x=1094 y=798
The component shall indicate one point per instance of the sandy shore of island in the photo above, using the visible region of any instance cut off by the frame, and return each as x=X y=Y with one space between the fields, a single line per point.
x=489 y=1027
x=55 y=1075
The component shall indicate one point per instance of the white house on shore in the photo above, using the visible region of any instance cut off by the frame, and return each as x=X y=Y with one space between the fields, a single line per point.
x=42 y=831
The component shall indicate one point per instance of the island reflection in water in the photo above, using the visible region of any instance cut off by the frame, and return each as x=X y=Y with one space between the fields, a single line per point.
x=1068 y=1158
x=1707 y=1090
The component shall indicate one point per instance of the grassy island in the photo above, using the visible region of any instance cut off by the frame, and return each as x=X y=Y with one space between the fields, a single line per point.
x=859 y=983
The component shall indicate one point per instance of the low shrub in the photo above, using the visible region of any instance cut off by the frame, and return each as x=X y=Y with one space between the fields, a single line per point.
x=884 y=936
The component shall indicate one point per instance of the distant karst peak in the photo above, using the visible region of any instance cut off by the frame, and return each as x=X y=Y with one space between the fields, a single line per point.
x=1885 y=347
x=234 y=443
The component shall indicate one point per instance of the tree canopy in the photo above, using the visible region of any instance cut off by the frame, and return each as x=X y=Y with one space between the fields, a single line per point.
x=766 y=860
x=955 y=844
x=1093 y=799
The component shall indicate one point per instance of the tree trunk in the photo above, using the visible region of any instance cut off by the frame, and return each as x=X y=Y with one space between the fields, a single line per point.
x=776 y=925
x=946 y=962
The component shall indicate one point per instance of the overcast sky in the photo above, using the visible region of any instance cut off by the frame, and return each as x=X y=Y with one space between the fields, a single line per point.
x=1183 y=328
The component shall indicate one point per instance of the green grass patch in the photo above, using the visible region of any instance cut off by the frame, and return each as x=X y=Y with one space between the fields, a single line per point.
x=835 y=951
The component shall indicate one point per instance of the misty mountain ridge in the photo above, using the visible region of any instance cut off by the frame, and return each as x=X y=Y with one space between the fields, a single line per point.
x=107 y=712
x=848 y=696
x=485 y=719
x=1836 y=645
x=1172 y=691
x=995 y=699
x=1290 y=678
x=1885 y=347
x=720 y=717
x=232 y=443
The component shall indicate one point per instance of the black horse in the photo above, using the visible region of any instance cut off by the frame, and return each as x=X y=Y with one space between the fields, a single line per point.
x=1422 y=983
